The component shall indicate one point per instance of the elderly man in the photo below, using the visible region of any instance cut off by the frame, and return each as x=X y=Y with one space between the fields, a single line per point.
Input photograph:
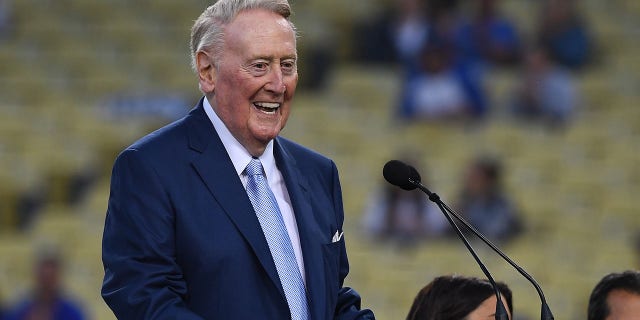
x=616 y=297
x=215 y=216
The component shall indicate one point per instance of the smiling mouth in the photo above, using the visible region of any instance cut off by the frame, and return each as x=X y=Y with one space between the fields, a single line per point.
x=267 y=107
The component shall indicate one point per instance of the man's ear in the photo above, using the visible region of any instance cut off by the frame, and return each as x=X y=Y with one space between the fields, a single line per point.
x=206 y=72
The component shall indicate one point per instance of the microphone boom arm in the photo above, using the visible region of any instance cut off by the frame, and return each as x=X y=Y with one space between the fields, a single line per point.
x=501 y=312
x=545 y=310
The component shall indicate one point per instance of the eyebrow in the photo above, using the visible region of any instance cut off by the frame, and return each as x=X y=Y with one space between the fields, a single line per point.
x=271 y=58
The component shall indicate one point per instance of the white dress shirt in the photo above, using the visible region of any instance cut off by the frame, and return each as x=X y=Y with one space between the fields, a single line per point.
x=240 y=158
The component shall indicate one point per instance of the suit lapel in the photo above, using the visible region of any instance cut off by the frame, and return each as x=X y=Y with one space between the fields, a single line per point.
x=308 y=229
x=213 y=165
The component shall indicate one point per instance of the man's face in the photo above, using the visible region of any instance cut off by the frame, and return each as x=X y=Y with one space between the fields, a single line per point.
x=47 y=278
x=623 y=305
x=256 y=77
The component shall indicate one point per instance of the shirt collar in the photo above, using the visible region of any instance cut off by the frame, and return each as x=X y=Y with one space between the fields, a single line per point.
x=239 y=155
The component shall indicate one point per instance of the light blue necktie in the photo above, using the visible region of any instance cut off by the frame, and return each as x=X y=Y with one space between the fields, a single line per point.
x=266 y=207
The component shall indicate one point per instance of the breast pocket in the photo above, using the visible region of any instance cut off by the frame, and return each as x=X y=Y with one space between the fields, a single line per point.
x=331 y=252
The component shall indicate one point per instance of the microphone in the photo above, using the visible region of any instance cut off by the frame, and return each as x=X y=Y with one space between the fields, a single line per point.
x=399 y=174
x=402 y=175
x=407 y=177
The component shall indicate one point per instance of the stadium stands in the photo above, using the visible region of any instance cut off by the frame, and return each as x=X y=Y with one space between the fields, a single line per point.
x=63 y=59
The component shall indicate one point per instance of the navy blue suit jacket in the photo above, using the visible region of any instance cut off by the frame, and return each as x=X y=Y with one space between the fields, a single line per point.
x=182 y=241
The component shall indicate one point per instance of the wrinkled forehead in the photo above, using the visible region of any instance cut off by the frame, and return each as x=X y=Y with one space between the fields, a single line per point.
x=258 y=25
x=259 y=19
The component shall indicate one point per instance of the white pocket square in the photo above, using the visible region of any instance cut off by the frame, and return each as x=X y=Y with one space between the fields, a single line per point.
x=337 y=236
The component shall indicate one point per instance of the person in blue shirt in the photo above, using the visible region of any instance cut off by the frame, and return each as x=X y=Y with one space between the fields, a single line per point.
x=47 y=300
x=564 y=34
x=441 y=89
x=485 y=204
x=488 y=38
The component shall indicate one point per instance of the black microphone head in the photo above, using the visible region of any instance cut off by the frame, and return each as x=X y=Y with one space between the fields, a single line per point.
x=398 y=174
x=415 y=176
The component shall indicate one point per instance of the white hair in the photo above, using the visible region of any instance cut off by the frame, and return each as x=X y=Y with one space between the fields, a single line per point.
x=207 y=32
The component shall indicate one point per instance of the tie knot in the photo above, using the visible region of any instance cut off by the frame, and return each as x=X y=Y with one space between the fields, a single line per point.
x=254 y=168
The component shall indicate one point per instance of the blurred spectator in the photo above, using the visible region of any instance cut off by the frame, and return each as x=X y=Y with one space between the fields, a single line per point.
x=436 y=84
x=547 y=92
x=488 y=37
x=372 y=38
x=403 y=216
x=457 y=297
x=399 y=32
x=616 y=296
x=563 y=33
x=410 y=31
x=485 y=205
x=47 y=301
x=425 y=37
x=5 y=18
x=440 y=90
x=420 y=23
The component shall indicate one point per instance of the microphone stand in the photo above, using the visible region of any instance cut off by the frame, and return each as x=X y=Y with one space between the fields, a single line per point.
x=501 y=312
x=448 y=212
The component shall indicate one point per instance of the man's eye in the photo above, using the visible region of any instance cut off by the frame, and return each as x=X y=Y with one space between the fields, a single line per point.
x=260 y=66
x=288 y=66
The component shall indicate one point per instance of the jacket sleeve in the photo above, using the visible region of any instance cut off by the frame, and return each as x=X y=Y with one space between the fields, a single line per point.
x=348 y=302
x=142 y=279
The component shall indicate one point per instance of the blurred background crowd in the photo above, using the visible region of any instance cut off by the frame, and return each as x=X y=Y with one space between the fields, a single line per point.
x=521 y=114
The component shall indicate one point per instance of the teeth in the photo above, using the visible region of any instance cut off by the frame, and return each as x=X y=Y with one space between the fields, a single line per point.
x=268 y=105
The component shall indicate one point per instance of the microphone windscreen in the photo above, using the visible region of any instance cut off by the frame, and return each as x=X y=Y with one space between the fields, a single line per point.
x=414 y=174
x=398 y=174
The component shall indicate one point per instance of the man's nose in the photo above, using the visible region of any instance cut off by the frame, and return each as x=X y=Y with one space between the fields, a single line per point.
x=276 y=81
